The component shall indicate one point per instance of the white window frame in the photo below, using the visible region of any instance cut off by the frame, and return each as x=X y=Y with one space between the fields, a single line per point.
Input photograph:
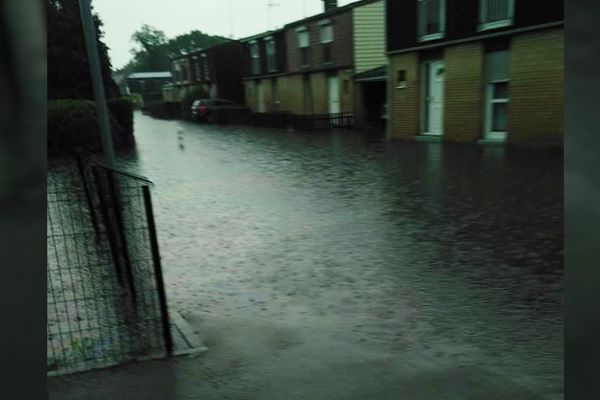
x=484 y=25
x=489 y=118
x=323 y=25
x=206 y=66
x=197 y=69
x=271 y=54
x=301 y=32
x=432 y=36
x=255 y=57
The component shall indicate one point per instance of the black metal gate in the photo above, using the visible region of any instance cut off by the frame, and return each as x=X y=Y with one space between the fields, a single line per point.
x=105 y=293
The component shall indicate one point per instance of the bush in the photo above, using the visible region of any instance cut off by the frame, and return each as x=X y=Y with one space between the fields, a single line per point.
x=73 y=126
x=122 y=111
x=164 y=109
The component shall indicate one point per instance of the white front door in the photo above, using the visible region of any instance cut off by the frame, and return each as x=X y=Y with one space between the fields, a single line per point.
x=434 y=98
x=261 y=98
x=334 y=95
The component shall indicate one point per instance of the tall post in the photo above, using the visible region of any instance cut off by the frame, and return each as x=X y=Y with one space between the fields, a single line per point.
x=89 y=31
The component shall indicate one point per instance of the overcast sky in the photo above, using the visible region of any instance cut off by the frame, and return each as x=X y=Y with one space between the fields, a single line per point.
x=123 y=17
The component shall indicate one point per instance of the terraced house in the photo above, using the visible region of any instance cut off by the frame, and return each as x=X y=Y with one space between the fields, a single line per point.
x=308 y=67
x=264 y=71
x=476 y=70
x=215 y=71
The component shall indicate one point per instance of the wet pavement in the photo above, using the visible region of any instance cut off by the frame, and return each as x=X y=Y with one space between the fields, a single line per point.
x=337 y=265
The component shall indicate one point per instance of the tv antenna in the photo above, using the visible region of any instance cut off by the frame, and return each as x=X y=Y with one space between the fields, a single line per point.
x=231 y=19
x=270 y=6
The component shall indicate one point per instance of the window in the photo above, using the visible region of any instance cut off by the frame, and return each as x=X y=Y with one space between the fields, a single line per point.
x=431 y=19
x=498 y=94
x=495 y=13
x=142 y=85
x=271 y=59
x=275 y=95
x=255 y=56
x=303 y=43
x=206 y=67
x=197 y=69
x=326 y=40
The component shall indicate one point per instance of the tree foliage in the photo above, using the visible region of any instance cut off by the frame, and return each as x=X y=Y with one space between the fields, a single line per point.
x=68 y=67
x=152 y=50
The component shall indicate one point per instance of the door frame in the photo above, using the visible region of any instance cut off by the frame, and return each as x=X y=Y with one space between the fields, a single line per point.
x=425 y=79
x=330 y=78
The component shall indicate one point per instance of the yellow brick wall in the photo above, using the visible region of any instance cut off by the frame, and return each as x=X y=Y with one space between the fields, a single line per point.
x=293 y=97
x=320 y=93
x=403 y=107
x=535 y=112
x=250 y=95
x=463 y=92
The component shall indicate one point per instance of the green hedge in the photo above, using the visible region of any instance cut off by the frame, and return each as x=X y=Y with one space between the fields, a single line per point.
x=73 y=125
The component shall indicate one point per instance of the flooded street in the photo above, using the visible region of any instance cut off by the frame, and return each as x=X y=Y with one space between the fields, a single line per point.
x=417 y=257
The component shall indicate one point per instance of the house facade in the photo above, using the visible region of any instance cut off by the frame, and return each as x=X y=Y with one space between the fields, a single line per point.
x=264 y=72
x=215 y=72
x=309 y=66
x=320 y=62
x=476 y=70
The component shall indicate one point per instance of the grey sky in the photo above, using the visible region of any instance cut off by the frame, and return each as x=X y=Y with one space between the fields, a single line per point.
x=123 y=17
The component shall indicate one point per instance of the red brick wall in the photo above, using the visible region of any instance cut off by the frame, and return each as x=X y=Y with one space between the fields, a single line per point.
x=341 y=47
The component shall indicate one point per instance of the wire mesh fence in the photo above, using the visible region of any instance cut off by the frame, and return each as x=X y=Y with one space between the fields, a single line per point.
x=105 y=296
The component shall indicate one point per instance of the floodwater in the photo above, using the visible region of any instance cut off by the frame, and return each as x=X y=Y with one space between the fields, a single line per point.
x=425 y=256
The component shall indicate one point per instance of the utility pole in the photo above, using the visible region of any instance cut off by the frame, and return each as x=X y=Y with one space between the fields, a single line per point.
x=230 y=19
x=270 y=6
x=89 y=31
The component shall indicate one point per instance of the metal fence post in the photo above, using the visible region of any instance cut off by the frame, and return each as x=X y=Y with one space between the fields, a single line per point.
x=109 y=229
x=158 y=275
x=117 y=198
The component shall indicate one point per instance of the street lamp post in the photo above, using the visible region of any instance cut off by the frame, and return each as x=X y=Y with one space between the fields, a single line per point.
x=89 y=31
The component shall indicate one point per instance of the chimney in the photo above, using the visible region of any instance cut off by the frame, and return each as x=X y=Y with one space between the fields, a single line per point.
x=330 y=5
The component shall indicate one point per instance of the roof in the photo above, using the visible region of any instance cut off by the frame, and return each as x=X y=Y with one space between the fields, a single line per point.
x=372 y=75
x=337 y=10
x=261 y=35
x=149 y=75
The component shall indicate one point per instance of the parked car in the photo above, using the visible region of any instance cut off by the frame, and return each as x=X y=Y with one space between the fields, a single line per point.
x=205 y=110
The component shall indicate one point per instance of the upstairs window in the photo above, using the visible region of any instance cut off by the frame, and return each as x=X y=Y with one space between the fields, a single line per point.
x=271 y=60
x=206 y=67
x=495 y=13
x=326 y=40
x=255 y=56
x=303 y=43
x=431 y=19
x=197 y=69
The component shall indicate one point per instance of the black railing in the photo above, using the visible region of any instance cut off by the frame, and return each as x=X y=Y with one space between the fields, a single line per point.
x=303 y=122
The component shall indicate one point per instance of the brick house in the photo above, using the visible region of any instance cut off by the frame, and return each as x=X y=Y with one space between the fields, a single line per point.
x=476 y=70
x=308 y=67
x=215 y=71
x=320 y=62
x=264 y=69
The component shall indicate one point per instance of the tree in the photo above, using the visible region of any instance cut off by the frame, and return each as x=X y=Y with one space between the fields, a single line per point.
x=68 y=67
x=153 y=52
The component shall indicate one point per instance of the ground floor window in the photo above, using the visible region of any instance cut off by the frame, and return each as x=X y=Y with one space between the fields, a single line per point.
x=275 y=94
x=497 y=94
x=308 y=104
